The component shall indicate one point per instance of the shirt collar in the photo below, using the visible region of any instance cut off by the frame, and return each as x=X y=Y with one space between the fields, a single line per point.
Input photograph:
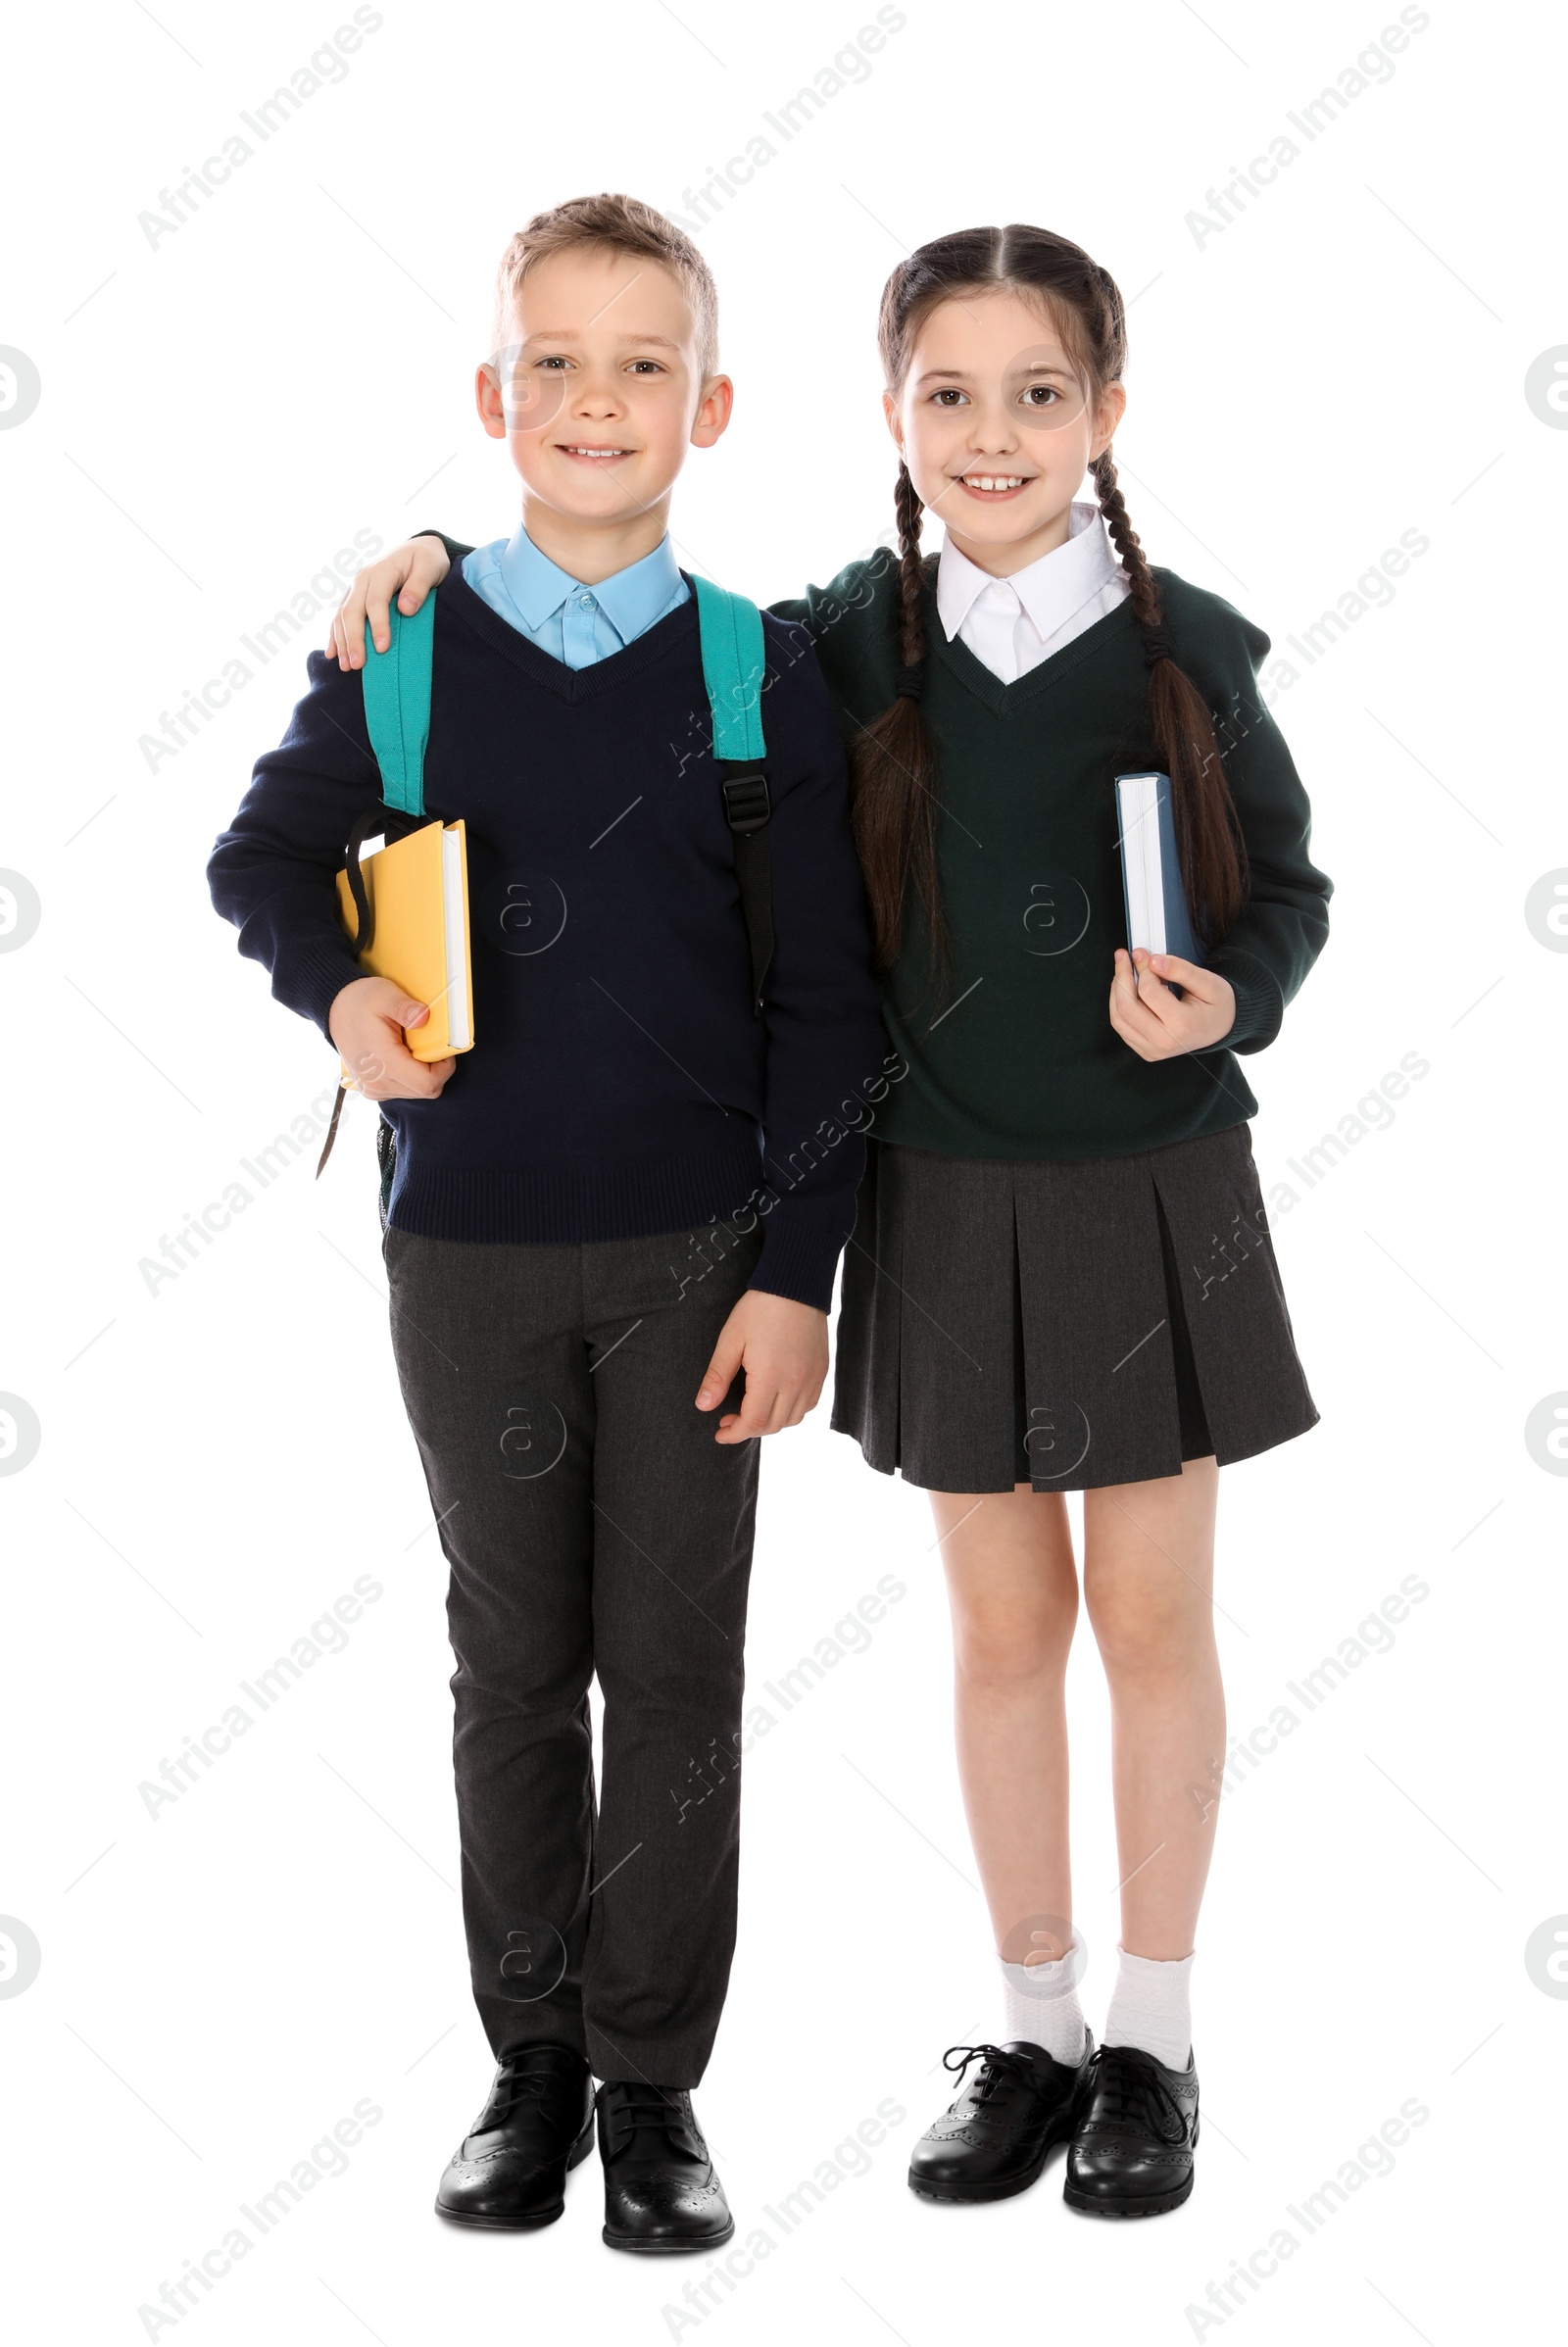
x=1050 y=590
x=631 y=599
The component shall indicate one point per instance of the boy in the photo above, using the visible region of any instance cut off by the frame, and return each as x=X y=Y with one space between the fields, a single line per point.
x=630 y=1192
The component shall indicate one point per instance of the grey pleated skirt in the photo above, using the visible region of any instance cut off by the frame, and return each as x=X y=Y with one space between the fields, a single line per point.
x=1064 y=1325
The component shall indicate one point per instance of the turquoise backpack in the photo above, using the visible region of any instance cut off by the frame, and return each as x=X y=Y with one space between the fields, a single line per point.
x=397 y=716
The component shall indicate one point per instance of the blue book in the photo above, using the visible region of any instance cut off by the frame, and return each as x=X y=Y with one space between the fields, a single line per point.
x=1158 y=915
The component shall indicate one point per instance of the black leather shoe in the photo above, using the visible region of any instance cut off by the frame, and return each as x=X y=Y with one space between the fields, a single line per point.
x=1132 y=2152
x=997 y=2137
x=511 y=2172
x=661 y=2191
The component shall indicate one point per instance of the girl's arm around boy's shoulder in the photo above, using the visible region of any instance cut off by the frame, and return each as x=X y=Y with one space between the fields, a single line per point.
x=1284 y=923
x=854 y=623
x=274 y=872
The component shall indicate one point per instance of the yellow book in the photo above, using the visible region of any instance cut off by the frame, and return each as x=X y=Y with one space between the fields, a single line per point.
x=418 y=893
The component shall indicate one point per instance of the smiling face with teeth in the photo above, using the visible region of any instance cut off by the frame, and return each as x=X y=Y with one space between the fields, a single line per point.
x=998 y=426
x=598 y=396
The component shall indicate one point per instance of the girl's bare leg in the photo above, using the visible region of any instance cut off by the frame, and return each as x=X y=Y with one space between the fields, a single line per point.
x=1013 y=1593
x=1149 y=1563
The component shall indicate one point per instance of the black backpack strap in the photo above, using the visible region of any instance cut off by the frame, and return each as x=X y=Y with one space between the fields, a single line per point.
x=331 y=1130
x=747 y=808
x=734 y=669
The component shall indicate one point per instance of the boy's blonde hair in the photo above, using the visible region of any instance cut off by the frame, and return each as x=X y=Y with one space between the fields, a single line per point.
x=620 y=225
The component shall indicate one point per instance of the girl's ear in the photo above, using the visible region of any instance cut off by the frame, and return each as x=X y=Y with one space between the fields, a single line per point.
x=889 y=408
x=1107 y=416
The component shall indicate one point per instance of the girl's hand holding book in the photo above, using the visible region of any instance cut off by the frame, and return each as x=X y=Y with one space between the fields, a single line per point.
x=1158 y=1023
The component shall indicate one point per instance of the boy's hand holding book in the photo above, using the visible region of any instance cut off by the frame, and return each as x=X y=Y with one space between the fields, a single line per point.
x=366 y=1021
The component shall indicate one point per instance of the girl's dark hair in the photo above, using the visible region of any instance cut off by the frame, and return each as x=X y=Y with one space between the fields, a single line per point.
x=895 y=764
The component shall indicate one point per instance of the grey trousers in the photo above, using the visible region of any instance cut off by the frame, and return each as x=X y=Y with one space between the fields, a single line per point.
x=592 y=1525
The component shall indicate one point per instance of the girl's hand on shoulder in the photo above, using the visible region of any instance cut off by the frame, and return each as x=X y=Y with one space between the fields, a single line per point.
x=1160 y=1024
x=417 y=566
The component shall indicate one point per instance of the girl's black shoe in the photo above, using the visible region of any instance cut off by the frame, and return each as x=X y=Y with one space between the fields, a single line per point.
x=997 y=2137
x=1132 y=2152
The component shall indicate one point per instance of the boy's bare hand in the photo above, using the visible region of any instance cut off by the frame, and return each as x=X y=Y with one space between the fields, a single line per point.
x=782 y=1347
x=367 y=1022
x=1160 y=1024
x=417 y=566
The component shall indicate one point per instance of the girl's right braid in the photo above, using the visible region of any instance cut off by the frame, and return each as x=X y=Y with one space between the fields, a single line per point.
x=894 y=771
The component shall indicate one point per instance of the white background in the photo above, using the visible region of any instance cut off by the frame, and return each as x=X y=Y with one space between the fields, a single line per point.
x=220 y=411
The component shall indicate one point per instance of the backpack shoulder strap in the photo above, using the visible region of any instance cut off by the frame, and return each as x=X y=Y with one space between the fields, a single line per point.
x=397 y=718
x=734 y=669
x=734 y=660
x=397 y=706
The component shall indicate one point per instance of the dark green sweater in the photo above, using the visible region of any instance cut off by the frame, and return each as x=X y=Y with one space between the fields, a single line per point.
x=1022 y=1059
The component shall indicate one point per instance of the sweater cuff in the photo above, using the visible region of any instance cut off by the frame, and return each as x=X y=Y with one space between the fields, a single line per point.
x=456 y=549
x=309 y=978
x=1260 y=1002
x=801 y=1249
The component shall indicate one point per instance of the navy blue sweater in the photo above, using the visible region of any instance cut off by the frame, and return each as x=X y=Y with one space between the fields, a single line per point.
x=620 y=1084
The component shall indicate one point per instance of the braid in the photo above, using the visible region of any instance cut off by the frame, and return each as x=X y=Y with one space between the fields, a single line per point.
x=1208 y=838
x=1142 y=592
x=893 y=769
x=907 y=508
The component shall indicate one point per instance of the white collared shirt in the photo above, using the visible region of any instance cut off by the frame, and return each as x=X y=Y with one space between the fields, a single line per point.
x=1012 y=624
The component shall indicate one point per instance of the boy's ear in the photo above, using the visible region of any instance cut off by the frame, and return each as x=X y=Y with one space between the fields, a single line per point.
x=487 y=399
x=713 y=411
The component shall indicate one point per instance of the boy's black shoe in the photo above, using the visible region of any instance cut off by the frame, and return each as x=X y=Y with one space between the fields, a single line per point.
x=511 y=2172
x=997 y=2137
x=1132 y=2152
x=661 y=2191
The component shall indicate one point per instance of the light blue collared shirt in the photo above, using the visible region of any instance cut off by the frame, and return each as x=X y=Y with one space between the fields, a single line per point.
x=572 y=622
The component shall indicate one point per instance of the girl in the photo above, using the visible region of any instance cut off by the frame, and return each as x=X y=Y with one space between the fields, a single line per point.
x=1061 y=1277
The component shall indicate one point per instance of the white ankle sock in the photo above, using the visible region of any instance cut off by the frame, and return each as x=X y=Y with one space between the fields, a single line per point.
x=1151 y=2007
x=1043 y=2007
